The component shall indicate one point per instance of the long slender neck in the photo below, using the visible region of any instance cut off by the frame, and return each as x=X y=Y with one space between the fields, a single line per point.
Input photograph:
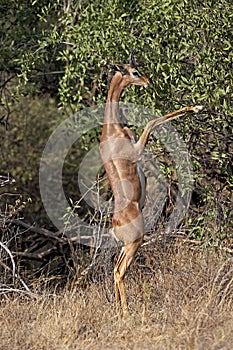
x=116 y=88
x=111 y=115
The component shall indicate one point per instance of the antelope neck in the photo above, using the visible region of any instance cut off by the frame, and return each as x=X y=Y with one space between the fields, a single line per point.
x=111 y=115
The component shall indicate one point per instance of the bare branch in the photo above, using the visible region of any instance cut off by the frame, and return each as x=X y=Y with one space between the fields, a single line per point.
x=43 y=232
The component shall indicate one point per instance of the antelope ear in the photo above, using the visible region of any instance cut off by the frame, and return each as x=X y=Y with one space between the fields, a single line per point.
x=120 y=68
x=132 y=61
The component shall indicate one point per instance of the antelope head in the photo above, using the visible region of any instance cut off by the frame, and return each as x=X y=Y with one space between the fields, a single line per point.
x=130 y=73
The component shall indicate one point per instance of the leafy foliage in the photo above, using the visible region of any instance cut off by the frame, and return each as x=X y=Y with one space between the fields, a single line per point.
x=187 y=48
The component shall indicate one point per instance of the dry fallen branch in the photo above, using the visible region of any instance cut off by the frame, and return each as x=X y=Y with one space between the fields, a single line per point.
x=41 y=231
x=4 y=290
x=39 y=256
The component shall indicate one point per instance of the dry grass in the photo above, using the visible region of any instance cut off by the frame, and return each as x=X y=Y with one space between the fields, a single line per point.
x=179 y=299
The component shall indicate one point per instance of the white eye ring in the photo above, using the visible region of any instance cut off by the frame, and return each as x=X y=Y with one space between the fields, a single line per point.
x=135 y=74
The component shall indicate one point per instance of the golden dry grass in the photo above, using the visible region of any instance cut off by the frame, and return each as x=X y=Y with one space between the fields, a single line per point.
x=179 y=299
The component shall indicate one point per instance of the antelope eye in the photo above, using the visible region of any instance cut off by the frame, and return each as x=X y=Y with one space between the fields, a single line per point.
x=135 y=74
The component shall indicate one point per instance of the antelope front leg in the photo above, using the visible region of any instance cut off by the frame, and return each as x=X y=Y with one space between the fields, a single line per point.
x=152 y=124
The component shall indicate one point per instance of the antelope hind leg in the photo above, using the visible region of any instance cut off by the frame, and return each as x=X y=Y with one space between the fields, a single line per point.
x=126 y=256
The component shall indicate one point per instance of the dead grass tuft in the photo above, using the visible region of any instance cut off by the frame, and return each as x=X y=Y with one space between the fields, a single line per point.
x=179 y=299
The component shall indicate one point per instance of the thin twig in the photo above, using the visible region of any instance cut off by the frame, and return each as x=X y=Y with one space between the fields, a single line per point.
x=11 y=257
x=16 y=276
